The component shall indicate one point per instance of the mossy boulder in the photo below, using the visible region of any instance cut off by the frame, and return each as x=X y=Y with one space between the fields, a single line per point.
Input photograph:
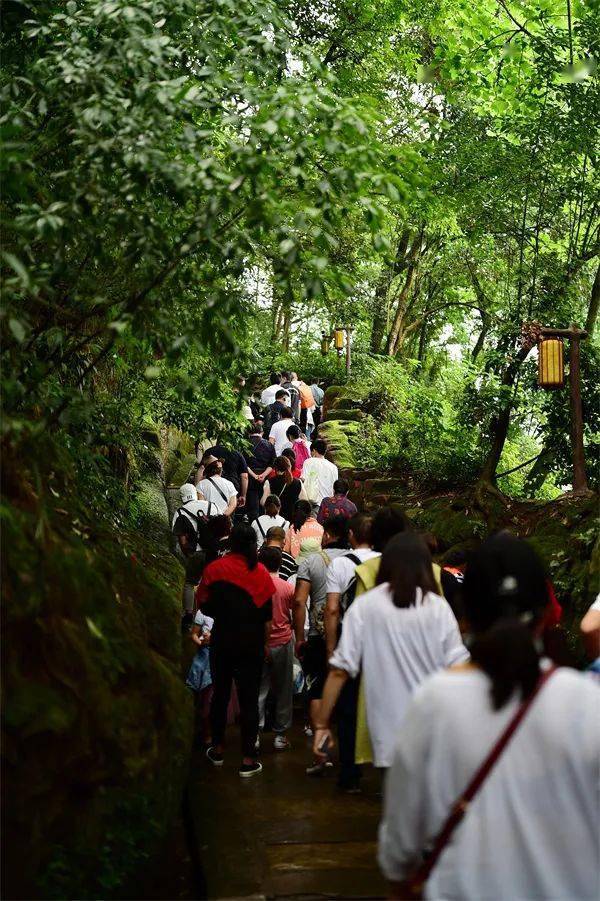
x=346 y=415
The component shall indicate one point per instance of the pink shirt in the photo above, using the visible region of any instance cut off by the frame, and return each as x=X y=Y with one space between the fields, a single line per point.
x=281 y=627
x=293 y=539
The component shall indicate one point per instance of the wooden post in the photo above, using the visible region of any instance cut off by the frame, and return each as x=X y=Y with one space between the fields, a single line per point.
x=348 y=350
x=579 y=475
x=574 y=335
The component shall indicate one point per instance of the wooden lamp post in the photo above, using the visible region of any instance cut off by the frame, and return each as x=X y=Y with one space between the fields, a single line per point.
x=338 y=343
x=551 y=376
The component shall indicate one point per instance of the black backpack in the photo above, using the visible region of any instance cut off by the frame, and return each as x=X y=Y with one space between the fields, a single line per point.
x=200 y=523
x=271 y=417
x=348 y=596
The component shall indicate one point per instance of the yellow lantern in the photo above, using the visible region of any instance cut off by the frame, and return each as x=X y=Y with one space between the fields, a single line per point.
x=551 y=369
x=325 y=342
x=338 y=339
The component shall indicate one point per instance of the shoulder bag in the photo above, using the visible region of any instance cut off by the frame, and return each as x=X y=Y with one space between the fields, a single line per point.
x=413 y=885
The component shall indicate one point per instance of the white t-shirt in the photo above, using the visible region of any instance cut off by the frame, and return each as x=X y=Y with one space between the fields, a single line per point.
x=194 y=507
x=265 y=523
x=277 y=433
x=268 y=396
x=341 y=571
x=318 y=475
x=531 y=832
x=396 y=648
x=211 y=493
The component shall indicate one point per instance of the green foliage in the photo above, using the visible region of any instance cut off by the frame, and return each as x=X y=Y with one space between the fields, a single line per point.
x=417 y=426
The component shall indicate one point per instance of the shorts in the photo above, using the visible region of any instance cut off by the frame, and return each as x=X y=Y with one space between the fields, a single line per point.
x=314 y=666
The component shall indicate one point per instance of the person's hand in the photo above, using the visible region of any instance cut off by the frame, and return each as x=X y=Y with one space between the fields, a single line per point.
x=299 y=648
x=323 y=743
x=262 y=477
x=241 y=501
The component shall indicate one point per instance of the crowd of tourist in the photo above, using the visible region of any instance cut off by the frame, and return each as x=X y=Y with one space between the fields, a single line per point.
x=434 y=673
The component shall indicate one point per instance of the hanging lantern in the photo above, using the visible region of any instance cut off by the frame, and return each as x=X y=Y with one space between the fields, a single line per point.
x=338 y=339
x=551 y=369
x=325 y=342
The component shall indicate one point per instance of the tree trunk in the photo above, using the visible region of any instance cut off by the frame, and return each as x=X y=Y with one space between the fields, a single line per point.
x=287 y=317
x=380 y=312
x=590 y=322
x=393 y=341
x=485 y=327
x=539 y=471
x=501 y=421
x=388 y=273
x=422 y=342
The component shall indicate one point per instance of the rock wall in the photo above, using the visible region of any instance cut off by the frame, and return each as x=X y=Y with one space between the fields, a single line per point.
x=97 y=722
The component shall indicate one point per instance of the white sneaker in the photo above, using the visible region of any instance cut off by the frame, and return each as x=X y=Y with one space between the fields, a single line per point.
x=281 y=743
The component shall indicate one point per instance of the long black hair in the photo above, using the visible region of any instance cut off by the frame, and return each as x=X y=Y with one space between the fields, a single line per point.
x=302 y=511
x=406 y=565
x=505 y=594
x=387 y=522
x=243 y=541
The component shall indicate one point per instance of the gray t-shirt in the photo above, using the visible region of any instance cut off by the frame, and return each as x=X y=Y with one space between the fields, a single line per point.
x=313 y=569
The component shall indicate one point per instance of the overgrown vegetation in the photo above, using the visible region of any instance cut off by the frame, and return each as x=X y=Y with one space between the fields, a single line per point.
x=191 y=193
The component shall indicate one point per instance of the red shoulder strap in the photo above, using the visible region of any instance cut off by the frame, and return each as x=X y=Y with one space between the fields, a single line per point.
x=460 y=806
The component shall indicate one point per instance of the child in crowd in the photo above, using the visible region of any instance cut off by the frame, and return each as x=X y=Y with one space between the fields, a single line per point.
x=199 y=678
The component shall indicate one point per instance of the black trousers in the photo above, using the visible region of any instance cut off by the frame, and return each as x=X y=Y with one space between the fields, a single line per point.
x=346 y=711
x=244 y=665
x=252 y=508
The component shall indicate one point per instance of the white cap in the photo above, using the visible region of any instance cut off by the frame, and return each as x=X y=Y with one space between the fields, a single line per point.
x=188 y=493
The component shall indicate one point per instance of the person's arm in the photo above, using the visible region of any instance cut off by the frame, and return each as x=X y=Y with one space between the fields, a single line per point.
x=300 y=600
x=303 y=496
x=266 y=493
x=590 y=632
x=334 y=683
x=332 y=620
x=452 y=643
x=244 y=489
x=268 y=625
x=345 y=663
x=231 y=506
x=198 y=637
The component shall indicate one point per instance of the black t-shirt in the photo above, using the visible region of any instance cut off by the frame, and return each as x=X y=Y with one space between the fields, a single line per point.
x=261 y=456
x=239 y=623
x=234 y=464
x=287 y=494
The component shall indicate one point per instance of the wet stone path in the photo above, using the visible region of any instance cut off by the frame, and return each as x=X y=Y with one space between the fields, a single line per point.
x=282 y=834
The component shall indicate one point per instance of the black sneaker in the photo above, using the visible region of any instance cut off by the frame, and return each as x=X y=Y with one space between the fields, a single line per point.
x=250 y=769
x=215 y=758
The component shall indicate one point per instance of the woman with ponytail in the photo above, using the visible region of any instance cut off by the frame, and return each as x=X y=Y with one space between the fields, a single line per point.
x=497 y=762
x=304 y=525
x=284 y=486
